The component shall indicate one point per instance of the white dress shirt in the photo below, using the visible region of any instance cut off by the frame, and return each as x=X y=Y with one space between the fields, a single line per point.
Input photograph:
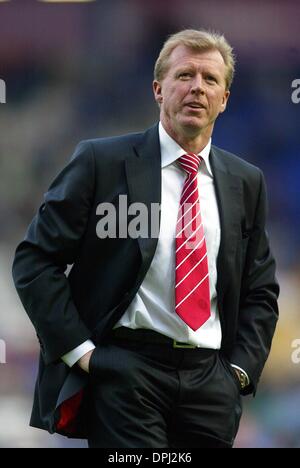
x=153 y=307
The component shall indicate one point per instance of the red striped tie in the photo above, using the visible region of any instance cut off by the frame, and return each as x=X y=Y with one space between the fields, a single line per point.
x=192 y=298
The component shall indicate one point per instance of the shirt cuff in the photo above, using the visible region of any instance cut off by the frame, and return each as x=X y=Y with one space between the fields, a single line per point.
x=73 y=356
x=244 y=372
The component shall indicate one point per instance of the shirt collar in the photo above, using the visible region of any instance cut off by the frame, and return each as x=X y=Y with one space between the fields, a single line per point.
x=171 y=151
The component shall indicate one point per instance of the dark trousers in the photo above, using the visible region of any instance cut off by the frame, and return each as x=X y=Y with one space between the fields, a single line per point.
x=155 y=396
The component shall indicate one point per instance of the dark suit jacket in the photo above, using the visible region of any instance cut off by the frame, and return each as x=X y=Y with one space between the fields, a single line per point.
x=107 y=273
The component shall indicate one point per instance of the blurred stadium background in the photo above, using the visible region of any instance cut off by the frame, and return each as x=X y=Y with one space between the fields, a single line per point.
x=80 y=70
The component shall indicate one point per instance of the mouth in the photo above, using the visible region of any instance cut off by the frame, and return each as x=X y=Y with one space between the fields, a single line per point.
x=195 y=105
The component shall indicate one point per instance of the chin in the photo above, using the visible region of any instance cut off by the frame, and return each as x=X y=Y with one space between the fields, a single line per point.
x=192 y=126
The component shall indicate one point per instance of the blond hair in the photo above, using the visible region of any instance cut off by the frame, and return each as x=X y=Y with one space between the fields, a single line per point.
x=198 y=40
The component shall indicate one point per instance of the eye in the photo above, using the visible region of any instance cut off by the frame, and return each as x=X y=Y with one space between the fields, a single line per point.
x=211 y=78
x=184 y=75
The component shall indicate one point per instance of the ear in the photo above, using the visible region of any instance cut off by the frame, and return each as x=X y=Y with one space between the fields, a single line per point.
x=225 y=100
x=157 y=90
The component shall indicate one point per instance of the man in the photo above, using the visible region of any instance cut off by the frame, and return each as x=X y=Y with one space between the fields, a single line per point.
x=182 y=321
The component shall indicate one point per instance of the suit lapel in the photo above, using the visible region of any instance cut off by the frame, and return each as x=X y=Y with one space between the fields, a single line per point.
x=229 y=196
x=143 y=173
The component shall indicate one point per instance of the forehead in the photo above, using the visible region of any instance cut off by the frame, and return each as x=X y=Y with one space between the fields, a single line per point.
x=183 y=55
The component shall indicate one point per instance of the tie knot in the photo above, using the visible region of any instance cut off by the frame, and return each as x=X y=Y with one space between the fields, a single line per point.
x=190 y=162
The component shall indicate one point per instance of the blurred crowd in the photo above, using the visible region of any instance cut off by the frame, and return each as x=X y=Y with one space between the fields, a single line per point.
x=74 y=72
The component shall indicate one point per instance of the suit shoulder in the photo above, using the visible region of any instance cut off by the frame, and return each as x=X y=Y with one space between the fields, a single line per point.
x=113 y=142
x=237 y=165
x=110 y=150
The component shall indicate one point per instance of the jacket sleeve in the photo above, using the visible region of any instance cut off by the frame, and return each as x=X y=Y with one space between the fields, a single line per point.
x=51 y=243
x=258 y=312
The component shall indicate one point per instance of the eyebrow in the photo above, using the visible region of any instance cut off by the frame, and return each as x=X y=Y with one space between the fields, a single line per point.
x=191 y=67
x=184 y=68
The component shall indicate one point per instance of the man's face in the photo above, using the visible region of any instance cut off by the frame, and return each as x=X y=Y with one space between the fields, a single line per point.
x=192 y=93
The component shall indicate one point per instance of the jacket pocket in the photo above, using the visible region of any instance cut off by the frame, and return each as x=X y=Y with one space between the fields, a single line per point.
x=231 y=372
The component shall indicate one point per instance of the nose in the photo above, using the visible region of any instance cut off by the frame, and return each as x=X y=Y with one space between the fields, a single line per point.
x=197 y=85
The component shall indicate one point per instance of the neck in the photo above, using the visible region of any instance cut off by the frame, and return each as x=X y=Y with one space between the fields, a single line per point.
x=191 y=143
